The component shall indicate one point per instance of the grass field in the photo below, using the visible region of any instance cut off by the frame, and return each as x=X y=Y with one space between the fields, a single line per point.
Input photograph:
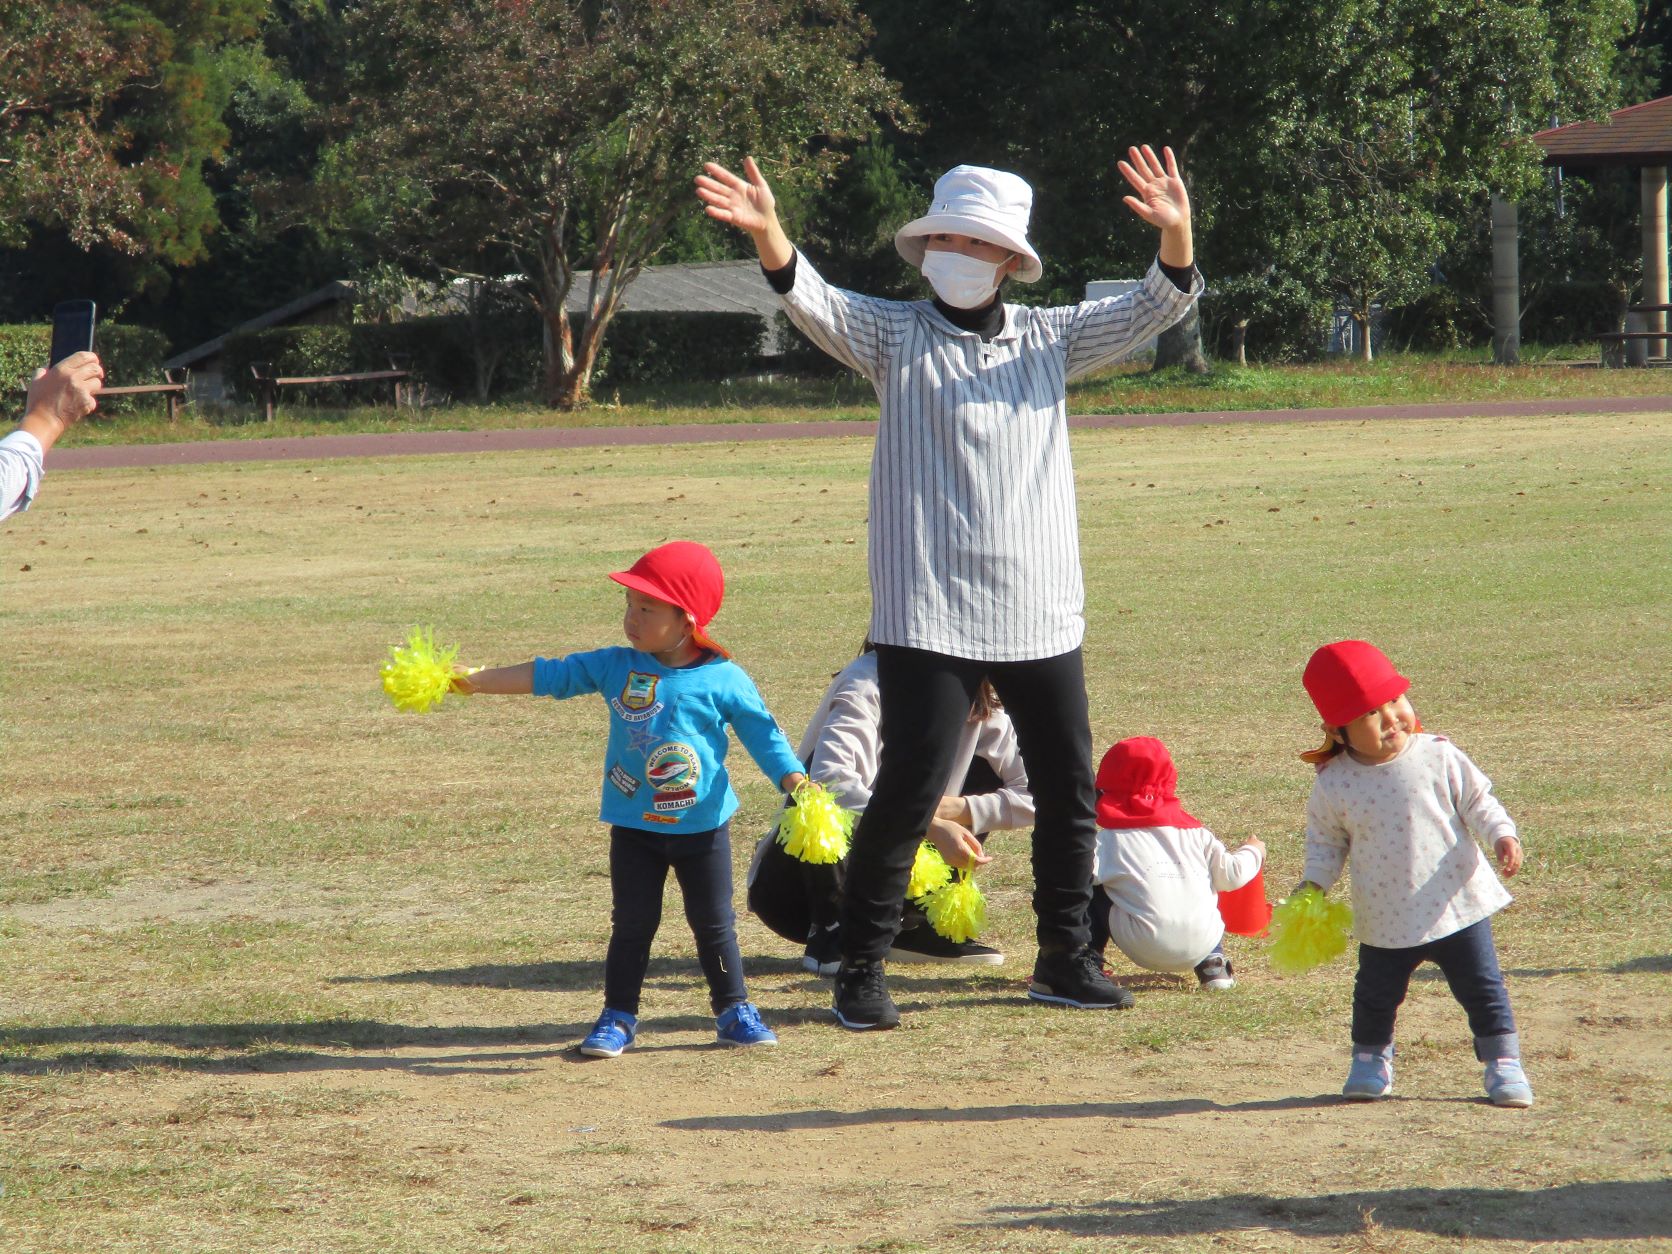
x=288 y=971
x=1395 y=379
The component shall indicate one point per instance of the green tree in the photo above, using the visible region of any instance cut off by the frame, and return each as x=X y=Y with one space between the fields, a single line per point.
x=1332 y=148
x=565 y=133
x=108 y=116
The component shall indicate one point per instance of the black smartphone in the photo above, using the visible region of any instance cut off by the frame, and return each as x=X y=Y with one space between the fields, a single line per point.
x=72 y=329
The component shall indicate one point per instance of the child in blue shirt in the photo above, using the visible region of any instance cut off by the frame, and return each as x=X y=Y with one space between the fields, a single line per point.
x=666 y=794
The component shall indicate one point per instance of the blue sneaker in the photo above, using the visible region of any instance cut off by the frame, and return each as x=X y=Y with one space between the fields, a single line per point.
x=1371 y=1075
x=1506 y=1083
x=615 y=1031
x=741 y=1025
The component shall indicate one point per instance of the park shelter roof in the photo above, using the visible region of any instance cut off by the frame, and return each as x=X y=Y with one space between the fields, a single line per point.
x=1636 y=136
x=692 y=287
x=307 y=305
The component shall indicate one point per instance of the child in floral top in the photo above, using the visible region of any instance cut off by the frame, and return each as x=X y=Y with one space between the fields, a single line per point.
x=1407 y=808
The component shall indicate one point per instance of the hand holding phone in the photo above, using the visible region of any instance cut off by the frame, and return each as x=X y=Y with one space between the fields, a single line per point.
x=72 y=330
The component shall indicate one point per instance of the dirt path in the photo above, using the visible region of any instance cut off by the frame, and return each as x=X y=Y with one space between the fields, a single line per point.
x=405 y=443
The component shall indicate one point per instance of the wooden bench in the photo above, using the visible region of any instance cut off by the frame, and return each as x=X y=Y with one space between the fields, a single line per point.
x=1616 y=346
x=173 y=392
x=270 y=383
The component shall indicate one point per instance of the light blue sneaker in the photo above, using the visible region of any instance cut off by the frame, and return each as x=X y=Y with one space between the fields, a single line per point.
x=741 y=1025
x=1370 y=1076
x=1506 y=1083
x=615 y=1031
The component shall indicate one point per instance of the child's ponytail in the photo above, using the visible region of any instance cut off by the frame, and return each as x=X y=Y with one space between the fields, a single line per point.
x=1335 y=740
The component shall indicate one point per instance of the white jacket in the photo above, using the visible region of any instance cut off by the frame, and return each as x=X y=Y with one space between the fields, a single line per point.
x=1162 y=883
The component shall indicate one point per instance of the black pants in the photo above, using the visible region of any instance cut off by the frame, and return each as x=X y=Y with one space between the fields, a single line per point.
x=701 y=862
x=925 y=699
x=1469 y=961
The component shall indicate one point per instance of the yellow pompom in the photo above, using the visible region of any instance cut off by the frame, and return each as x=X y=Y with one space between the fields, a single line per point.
x=814 y=828
x=1308 y=930
x=929 y=871
x=958 y=911
x=418 y=675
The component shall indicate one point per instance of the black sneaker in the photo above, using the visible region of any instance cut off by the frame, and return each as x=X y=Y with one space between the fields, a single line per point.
x=1076 y=979
x=824 y=950
x=924 y=944
x=862 y=1000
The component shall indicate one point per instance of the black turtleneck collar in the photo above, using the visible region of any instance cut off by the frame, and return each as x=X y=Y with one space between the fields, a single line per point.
x=987 y=321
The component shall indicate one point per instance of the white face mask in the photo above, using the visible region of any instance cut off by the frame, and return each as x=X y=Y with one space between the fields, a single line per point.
x=962 y=282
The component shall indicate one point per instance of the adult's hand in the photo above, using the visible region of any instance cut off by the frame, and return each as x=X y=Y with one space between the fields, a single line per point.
x=746 y=203
x=1161 y=200
x=61 y=397
x=957 y=844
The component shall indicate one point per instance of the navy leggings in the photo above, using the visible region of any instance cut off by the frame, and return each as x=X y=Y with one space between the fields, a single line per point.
x=926 y=698
x=1469 y=961
x=701 y=862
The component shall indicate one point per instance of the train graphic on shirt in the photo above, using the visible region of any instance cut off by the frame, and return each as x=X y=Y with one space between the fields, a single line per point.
x=674 y=771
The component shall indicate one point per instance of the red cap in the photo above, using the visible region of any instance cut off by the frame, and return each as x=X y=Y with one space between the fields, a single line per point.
x=1136 y=783
x=684 y=574
x=1350 y=678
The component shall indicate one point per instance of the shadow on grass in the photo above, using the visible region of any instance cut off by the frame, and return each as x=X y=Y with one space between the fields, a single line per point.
x=1651 y=964
x=356 y=1045
x=1604 y=1210
x=823 y=1120
x=561 y=976
x=286 y=1047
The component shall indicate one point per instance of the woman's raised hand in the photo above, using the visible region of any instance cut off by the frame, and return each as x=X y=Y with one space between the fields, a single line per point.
x=747 y=205
x=1161 y=199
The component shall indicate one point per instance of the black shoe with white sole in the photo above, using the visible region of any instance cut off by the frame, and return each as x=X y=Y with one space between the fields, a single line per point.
x=924 y=944
x=1076 y=979
x=862 y=1000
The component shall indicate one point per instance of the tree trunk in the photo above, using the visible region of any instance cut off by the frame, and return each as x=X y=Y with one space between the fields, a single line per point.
x=1239 y=341
x=1181 y=345
x=1362 y=321
x=558 y=354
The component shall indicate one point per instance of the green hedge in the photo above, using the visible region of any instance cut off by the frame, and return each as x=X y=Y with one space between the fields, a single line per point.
x=131 y=356
x=638 y=348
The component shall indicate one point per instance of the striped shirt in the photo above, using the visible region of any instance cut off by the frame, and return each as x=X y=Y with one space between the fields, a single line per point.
x=20 y=471
x=974 y=536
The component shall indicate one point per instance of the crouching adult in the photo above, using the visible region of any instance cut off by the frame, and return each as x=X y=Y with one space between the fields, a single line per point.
x=985 y=791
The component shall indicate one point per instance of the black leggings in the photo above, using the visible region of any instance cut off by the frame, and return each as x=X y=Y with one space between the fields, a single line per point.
x=925 y=699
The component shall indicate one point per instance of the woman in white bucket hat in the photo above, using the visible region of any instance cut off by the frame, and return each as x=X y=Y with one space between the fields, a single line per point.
x=974 y=537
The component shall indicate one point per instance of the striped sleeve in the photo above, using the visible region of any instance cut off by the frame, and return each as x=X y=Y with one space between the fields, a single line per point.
x=1100 y=333
x=20 y=471
x=862 y=332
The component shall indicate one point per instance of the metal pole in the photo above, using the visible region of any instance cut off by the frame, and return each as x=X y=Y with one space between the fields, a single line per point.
x=1506 y=283
x=1654 y=251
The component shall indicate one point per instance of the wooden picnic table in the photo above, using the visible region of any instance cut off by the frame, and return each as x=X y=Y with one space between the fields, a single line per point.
x=270 y=384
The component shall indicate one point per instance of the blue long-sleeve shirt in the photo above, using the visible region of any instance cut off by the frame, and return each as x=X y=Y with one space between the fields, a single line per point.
x=665 y=765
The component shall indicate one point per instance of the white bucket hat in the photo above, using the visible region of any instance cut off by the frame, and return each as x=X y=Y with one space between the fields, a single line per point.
x=991 y=205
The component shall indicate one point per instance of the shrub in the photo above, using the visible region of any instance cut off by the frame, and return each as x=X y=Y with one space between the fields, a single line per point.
x=1436 y=321
x=131 y=356
x=640 y=347
x=1571 y=313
